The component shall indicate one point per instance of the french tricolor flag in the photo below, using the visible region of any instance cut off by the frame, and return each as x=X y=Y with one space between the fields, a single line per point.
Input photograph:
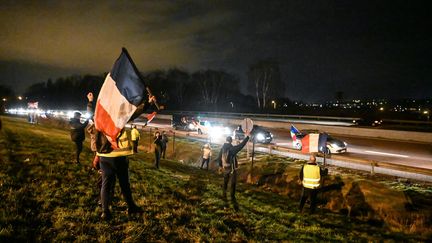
x=121 y=93
x=314 y=143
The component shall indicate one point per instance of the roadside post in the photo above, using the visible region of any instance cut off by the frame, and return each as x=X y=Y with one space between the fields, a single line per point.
x=247 y=126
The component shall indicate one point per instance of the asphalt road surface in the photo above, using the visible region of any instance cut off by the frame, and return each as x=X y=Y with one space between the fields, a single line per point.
x=394 y=152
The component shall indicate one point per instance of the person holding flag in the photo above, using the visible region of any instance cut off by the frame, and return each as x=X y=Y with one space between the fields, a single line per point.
x=121 y=98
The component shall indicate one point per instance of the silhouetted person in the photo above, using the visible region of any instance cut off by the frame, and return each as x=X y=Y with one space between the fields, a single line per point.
x=157 y=148
x=77 y=131
x=228 y=163
x=164 y=144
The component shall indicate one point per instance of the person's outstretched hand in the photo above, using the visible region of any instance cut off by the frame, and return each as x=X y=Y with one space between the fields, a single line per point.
x=90 y=97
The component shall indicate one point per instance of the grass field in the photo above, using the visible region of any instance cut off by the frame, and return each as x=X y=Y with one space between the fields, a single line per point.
x=45 y=197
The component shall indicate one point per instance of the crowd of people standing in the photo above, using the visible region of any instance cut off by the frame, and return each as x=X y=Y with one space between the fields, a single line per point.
x=113 y=164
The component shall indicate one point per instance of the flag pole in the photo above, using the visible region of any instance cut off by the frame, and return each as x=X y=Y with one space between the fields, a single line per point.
x=140 y=77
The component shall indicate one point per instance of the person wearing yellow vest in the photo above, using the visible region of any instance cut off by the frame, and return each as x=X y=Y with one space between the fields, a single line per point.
x=135 y=134
x=310 y=176
x=116 y=164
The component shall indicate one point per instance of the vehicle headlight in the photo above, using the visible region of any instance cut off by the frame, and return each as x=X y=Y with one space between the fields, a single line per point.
x=191 y=126
x=215 y=132
x=227 y=130
x=271 y=135
x=345 y=144
x=260 y=137
x=70 y=114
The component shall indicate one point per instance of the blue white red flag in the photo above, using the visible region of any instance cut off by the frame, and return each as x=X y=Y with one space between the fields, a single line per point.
x=314 y=142
x=121 y=93
x=151 y=116
x=322 y=142
x=294 y=132
x=32 y=105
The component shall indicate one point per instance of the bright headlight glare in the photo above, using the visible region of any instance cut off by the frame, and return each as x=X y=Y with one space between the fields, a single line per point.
x=260 y=136
x=70 y=114
x=191 y=126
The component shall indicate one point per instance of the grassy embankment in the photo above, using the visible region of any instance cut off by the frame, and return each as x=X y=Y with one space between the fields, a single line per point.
x=43 y=196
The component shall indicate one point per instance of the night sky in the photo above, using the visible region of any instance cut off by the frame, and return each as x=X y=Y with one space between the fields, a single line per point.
x=376 y=49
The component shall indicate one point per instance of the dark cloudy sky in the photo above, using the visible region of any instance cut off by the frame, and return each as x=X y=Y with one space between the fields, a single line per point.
x=363 y=48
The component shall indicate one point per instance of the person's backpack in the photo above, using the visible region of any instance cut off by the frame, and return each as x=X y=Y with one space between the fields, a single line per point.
x=226 y=162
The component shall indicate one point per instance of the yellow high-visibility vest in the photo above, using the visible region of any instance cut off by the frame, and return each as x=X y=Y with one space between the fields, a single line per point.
x=311 y=176
x=135 y=134
x=124 y=146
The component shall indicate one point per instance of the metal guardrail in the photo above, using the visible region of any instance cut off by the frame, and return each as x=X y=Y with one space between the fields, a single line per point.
x=297 y=117
x=264 y=116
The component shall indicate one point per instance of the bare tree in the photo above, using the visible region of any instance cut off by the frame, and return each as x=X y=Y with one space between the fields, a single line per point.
x=180 y=80
x=214 y=84
x=265 y=82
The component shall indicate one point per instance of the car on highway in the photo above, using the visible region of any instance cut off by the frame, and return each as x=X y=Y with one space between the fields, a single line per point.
x=214 y=129
x=334 y=145
x=258 y=133
x=184 y=123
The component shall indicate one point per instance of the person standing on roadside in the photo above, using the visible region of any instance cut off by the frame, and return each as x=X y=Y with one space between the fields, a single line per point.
x=310 y=177
x=206 y=155
x=228 y=163
x=158 y=144
x=115 y=163
x=135 y=138
x=164 y=144
x=77 y=130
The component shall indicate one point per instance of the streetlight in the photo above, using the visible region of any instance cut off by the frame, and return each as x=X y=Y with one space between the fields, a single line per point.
x=274 y=104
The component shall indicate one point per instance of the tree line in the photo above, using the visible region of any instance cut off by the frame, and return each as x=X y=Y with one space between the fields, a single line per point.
x=176 y=89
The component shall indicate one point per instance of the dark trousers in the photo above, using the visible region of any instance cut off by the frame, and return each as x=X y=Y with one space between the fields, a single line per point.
x=312 y=193
x=205 y=161
x=135 y=146
x=163 y=151
x=227 y=175
x=99 y=187
x=79 y=147
x=112 y=167
x=157 y=158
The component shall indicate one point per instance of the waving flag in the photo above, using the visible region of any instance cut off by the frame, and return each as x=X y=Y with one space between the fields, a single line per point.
x=314 y=142
x=322 y=142
x=121 y=93
x=151 y=116
x=32 y=105
x=294 y=132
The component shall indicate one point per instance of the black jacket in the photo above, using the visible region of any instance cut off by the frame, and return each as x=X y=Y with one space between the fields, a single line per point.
x=229 y=152
x=77 y=129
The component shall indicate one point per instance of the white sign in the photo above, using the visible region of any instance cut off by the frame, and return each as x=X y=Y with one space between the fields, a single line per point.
x=247 y=125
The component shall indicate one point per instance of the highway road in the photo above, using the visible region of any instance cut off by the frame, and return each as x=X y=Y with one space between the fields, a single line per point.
x=394 y=152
